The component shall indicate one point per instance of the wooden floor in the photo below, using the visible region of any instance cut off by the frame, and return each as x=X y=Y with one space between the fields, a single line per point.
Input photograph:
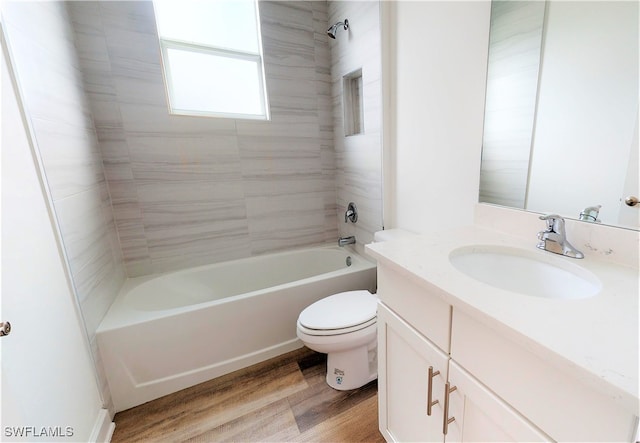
x=285 y=399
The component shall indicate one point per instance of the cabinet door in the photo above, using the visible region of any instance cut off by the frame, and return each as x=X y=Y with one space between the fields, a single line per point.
x=480 y=416
x=404 y=359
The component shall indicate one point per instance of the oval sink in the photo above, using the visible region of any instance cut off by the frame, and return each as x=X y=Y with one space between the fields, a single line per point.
x=525 y=272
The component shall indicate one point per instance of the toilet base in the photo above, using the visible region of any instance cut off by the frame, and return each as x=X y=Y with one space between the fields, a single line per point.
x=353 y=368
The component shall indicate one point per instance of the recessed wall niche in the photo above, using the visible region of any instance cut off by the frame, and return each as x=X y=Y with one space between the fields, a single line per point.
x=353 y=107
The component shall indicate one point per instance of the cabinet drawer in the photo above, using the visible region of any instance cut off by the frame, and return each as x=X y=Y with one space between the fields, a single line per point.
x=563 y=407
x=426 y=312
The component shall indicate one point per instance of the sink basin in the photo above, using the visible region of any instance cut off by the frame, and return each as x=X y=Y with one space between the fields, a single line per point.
x=525 y=272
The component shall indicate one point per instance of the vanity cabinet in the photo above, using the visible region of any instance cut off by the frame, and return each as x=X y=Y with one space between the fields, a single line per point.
x=414 y=373
x=489 y=387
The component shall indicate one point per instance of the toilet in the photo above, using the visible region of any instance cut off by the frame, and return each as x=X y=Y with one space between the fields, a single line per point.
x=344 y=326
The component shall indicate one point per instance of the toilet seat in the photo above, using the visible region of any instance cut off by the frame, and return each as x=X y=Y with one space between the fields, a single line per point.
x=321 y=332
x=339 y=314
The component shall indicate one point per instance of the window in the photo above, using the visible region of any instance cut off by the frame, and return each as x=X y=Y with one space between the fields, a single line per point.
x=212 y=57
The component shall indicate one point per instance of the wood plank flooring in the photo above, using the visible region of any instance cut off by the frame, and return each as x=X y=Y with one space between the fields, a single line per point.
x=284 y=399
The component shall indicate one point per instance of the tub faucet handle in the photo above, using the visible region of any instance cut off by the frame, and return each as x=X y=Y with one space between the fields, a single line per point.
x=351 y=213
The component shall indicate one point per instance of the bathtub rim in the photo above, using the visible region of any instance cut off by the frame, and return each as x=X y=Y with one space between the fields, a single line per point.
x=120 y=315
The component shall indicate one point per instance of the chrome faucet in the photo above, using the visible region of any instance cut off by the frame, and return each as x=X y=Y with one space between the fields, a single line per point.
x=351 y=213
x=343 y=241
x=554 y=238
x=590 y=214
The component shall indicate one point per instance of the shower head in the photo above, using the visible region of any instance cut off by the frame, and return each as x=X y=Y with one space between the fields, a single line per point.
x=331 y=32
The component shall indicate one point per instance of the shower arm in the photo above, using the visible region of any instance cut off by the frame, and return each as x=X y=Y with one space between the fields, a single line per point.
x=331 y=32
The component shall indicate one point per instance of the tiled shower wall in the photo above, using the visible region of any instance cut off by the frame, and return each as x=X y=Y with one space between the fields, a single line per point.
x=358 y=157
x=193 y=190
x=41 y=41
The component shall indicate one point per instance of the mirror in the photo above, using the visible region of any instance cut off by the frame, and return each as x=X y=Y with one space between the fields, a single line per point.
x=561 y=113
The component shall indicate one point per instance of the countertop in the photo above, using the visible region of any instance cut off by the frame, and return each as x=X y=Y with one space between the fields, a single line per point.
x=595 y=338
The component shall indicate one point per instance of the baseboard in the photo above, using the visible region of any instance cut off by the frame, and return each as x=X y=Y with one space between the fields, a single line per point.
x=103 y=428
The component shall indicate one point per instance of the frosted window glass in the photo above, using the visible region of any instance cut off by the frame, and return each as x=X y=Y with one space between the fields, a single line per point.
x=227 y=24
x=212 y=57
x=210 y=83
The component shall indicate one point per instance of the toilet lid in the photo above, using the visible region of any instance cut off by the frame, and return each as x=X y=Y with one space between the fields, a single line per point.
x=340 y=311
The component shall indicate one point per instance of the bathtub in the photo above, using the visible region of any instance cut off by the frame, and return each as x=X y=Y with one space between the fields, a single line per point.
x=170 y=331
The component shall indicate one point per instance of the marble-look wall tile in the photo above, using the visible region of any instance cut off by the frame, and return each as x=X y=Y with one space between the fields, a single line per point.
x=325 y=116
x=299 y=219
x=358 y=157
x=71 y=167
x=81 y=222
x=100 y=84
x=512 y=89
x=195 y=190
x=184 y=158
x=41 y=38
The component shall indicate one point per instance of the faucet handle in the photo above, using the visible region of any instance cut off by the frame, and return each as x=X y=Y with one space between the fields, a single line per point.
x=554 y=222
x=549 y=216
x=351 y=213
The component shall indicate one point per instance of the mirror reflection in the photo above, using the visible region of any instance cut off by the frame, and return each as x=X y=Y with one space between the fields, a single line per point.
x=561 y=117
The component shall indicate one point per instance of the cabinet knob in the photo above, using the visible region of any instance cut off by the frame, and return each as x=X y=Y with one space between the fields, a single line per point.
x=430 y=403
x=448 y=389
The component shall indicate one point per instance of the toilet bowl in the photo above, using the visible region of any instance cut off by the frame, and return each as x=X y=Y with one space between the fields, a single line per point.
x=343 y=326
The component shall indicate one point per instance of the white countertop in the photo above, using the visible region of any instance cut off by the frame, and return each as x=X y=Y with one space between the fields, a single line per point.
x=595 y=338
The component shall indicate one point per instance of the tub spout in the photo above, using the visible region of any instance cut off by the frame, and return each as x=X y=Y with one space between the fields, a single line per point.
x=351 y=240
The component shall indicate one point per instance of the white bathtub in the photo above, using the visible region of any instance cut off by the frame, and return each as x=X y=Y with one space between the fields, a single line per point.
x=166 y=332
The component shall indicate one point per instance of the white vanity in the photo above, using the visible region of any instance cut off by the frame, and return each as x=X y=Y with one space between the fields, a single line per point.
x=479 y=363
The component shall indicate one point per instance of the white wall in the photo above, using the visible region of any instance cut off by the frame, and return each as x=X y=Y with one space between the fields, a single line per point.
x=40 y=38
x=47 y=371
x=435 y=101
